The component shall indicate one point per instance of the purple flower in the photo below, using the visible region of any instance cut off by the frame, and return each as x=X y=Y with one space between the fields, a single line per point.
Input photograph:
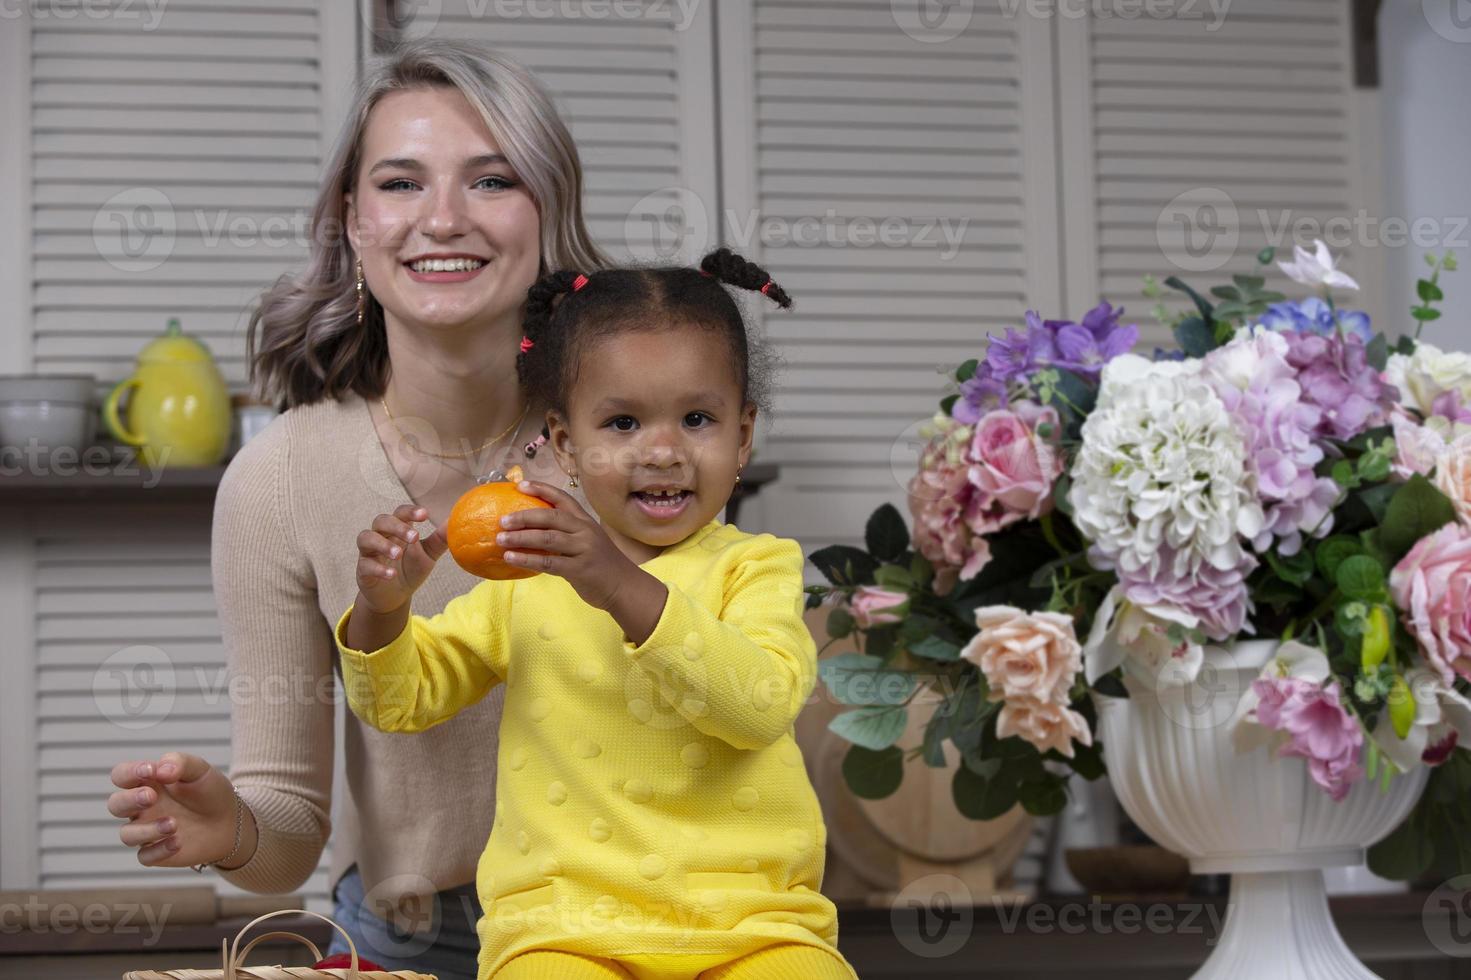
x=982 y=393
x=1448 y=405
x=1320 y=730
x=1215 y=598
x=1260 y=390
x=1082 y=348
x=1336 y=376
x=1312 y=315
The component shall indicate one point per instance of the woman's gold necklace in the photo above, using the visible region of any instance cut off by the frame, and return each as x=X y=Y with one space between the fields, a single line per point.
x=414 y=443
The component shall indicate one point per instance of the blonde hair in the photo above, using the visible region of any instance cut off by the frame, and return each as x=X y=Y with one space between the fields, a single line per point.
x=304 y=343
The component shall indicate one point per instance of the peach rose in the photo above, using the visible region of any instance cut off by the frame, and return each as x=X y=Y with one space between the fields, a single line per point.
x=1453 y=477
x=1045 y=724
x=1025 y=655
x=1432 y=588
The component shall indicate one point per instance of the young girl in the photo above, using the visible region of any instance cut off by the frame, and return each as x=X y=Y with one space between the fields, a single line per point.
x=653 y=816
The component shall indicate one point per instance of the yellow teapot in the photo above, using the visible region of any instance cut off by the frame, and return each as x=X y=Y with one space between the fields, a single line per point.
x=179 y=413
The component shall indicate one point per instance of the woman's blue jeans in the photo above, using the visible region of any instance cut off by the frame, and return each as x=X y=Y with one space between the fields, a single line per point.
x=447 y=947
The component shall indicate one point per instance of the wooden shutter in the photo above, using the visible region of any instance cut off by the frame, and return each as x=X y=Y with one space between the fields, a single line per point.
x=1191 y=142
x=166 y=161
x=836 y=117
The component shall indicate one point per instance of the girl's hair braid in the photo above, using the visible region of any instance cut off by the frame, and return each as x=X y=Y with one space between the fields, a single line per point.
x=563 y=318
x=728 y=267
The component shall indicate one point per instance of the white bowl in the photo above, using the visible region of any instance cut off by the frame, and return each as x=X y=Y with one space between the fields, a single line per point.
x=41 y=412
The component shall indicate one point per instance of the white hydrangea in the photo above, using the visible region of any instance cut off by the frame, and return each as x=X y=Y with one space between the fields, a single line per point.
x=1428 y=373
x=1162 y=464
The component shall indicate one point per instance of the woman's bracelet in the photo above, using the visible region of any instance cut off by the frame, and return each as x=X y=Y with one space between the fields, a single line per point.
x=239 y=826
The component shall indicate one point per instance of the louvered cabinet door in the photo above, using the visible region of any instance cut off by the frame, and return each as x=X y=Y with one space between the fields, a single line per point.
x=897 y=174
x=634 y=81
x=1192 y=142
x=169 y=158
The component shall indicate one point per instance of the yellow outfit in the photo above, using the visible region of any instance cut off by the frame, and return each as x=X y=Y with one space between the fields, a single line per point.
x=652 y=808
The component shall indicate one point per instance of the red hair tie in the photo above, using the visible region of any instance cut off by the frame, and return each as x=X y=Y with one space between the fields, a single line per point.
x=526 y=344
x=707 y=274
x=579 y=282
x=767 y=285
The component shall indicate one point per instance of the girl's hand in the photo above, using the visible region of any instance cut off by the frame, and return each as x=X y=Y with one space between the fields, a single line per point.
x=180 y=812
x=580 y=550
x=393 y=561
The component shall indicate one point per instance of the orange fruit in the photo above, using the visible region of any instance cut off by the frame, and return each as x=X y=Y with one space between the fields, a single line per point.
x=475 y=520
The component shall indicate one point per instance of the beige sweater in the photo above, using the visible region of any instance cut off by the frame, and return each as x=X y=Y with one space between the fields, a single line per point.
x=286 y=519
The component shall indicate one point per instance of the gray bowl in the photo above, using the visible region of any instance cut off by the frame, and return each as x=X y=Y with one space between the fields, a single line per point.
x=42 y=412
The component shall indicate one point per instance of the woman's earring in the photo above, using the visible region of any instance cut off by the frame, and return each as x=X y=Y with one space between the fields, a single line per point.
x=738 y=474
x=362 y=301
x=572 y=481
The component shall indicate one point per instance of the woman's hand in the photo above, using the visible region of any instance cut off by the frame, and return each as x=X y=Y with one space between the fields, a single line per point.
x=393 y=561
x=582 y=553
x=180 y=812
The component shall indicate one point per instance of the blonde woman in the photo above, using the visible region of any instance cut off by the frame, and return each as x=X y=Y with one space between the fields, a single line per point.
x=453 y=187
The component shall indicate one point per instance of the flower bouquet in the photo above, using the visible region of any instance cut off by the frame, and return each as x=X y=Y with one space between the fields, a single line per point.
x=1089 y=522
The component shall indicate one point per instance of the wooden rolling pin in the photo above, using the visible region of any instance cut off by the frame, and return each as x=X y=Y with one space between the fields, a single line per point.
x=48 y=909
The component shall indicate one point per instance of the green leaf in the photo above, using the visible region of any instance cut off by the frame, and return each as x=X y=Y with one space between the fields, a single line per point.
x=871 y=727
x=844 y=565
x=1060 y=492
x=886 y=535
x=1266 y=255
x=1376 y=499
x=1201 y=304
x=1250 y=285
x=1344 y=475
x=1087 y=760
x=980 y=798
x=873 y=775
x=1425 y=314
x=1428 y=291
x=894 y=578
x=1405 y=345
x=934 y=648
x=1195 y=337
x=1403 y=855
x=1416 y=510
x=879 y=642
x=840 y=623
x=1043 y=799
x=1378 y=352
x=948 y=402
x=1361 y=577
x=1080 y=395
x=860 y=679
x=920 y=570
x=1333 y=552
x=1296 y=569
x=967 y=370
x=1226 y=292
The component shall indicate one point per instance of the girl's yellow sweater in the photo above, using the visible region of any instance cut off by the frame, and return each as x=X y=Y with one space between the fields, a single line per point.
x=651 y=798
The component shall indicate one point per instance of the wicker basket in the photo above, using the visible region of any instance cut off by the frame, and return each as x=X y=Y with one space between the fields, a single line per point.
x=234 y=968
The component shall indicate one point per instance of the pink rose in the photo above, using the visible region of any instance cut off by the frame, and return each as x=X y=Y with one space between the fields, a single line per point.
x=872 y=606
x=1318 y=727
x=1013 y=467
x=941 y=500
x=1025 y=655
x=1045 y=724
x=1432 y=587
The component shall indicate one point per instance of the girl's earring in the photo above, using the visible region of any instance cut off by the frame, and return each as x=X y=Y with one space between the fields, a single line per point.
x=738 y=475
x=572 y=481
x=362 y=300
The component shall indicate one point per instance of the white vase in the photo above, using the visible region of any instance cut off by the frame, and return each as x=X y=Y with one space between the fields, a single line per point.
x=1253 y=815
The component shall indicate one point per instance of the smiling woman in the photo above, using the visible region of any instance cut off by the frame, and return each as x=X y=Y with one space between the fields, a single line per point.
x=392 y=354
